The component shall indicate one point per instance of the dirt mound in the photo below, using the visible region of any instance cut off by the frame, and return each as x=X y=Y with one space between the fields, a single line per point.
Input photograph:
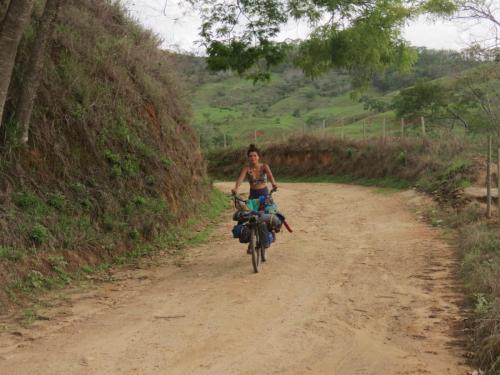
x=434 y=166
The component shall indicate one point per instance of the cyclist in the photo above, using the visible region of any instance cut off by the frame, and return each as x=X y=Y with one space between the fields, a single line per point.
x=257 y=174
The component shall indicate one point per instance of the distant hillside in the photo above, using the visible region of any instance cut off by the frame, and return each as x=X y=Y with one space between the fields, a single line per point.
x=224 y=104
x=112 y=162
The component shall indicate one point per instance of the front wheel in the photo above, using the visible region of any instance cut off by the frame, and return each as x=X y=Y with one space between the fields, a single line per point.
x=255 y=250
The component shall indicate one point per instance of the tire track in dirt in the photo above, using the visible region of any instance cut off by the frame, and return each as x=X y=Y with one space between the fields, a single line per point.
x=360 y=287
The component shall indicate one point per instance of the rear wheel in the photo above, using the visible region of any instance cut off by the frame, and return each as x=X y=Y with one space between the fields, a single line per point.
x=256 y=250
x=263 y=252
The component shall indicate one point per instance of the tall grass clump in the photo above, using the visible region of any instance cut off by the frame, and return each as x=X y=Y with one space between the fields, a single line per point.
x=480 y=246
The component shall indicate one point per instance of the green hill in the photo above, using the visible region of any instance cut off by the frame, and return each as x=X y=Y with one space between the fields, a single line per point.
x=227 y=106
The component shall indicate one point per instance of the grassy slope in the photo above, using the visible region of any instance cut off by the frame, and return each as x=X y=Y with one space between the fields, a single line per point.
x=286 y=105
x=109 y=147
x=279 y=108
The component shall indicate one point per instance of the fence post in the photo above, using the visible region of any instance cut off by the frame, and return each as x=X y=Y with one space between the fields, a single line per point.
x=364 y=129
x=402 y=127
x=383 y=129
x=225 y=141
x=488 y=180
x=422 y=121
x=498 y=184
x=255 y=135
x=342 y=127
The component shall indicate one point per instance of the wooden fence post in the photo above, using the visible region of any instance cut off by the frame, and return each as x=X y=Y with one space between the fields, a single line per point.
x=488 y=180
x=255 y=136
x=342 y=127
x=225 y=141
x=383 y=129
x=364 y=129
x=498 y=184
x=422 y=121
x=402 y=127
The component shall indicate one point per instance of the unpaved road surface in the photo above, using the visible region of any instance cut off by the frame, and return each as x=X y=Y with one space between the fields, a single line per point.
x=361 y=287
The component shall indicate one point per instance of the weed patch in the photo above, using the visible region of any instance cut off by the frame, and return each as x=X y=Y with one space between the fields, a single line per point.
x=479 y=245
x=11 y=253
x=29 y=203
x=39 y=234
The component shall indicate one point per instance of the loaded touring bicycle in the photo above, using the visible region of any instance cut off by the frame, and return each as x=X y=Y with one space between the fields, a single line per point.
x=258 y=222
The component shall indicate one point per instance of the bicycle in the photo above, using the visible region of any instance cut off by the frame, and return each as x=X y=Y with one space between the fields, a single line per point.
x=252 y=220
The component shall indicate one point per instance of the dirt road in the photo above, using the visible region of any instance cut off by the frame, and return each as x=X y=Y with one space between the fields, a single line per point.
x=361 y=287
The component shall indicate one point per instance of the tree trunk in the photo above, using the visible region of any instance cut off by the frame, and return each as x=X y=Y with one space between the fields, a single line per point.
x=3 y=10
x=35 y=67
x=16 y=19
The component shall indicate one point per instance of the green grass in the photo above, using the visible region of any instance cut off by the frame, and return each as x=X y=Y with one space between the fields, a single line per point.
x=11 y=253
x=237 y=107
x=173 y=240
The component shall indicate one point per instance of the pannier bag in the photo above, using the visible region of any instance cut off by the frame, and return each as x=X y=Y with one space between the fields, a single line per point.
x=273 y=221
x=242 y=232
x=264 y=235
x=237 y=230
x=245 y=234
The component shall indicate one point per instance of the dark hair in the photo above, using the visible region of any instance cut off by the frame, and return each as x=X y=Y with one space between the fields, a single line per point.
x=253 y=148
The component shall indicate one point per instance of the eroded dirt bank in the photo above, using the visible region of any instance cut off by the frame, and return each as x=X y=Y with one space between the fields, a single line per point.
x=360 y=287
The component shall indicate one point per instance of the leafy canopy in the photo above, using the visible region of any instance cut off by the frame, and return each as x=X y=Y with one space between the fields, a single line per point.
x=471 y=99
x=361 y=36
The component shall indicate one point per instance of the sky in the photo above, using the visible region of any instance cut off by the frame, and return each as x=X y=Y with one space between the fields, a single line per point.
x=178 y=28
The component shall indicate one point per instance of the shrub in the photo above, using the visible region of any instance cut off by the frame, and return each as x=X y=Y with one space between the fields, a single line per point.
x=133 y=234
x=56 y=200
x=39 y=234
x=167 y=162
x=34 y=280
x=30 y=203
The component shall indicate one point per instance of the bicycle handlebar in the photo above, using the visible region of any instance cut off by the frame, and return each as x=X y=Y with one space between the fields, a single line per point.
x=238 y=198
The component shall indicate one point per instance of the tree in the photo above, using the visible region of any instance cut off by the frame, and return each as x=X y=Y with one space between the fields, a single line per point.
x=435 y=101
x=360 y=36
x=487 y=13
x=3 y=9
x=12 y=28
x=481 y=88
x=35 y=65
x=374 y=104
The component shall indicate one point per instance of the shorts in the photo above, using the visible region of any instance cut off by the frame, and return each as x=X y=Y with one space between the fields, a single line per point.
x=256 y=193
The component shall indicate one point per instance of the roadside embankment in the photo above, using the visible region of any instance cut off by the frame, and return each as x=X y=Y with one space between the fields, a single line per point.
x=436 y=167
x=111 y=164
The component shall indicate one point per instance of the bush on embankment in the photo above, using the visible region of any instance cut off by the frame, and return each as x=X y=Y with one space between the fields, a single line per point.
x=433 y=166
x=111 y=162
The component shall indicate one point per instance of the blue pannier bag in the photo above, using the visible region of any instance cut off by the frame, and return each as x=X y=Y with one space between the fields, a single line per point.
x=237 y=230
